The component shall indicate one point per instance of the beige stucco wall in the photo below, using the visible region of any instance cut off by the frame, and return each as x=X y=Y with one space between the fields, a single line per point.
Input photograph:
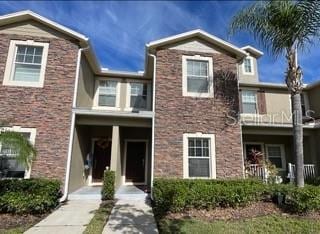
x=31 y=28
x=314 y=100
x=195 y=44
x=278 y=107
x=123 y=89
x=86 y=82
x=80 y=148
x=254 y=78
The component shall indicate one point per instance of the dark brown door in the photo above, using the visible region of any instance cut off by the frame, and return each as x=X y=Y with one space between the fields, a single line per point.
x=135 y=162
x=101 y=159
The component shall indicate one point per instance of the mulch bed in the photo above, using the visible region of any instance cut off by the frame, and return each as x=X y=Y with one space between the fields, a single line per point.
x=254 y=210
x=8 y=221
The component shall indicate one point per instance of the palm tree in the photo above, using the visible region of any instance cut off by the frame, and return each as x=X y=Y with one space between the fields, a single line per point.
x=283 y=28
x=24 y=149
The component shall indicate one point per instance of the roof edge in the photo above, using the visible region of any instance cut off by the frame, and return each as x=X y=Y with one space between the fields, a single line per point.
x=193 y=33
x=253 y=51
x=28 y=14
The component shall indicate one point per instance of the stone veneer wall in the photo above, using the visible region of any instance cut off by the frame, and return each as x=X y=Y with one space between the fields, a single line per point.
x=176 y=115
x=47 y=109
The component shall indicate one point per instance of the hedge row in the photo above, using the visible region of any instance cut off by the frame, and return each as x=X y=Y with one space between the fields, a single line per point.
x=31 y=196
x=298 y=200
x=176 y=195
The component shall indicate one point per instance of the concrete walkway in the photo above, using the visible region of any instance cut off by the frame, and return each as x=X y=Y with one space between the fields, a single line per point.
x=70 y=218
x=131 y=216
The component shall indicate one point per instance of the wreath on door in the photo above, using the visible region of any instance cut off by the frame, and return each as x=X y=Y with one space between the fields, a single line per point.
x=103 y=143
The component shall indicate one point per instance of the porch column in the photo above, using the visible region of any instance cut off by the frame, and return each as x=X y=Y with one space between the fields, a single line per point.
x=115 y=164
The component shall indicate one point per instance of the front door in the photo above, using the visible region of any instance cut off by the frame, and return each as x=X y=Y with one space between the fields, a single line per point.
x=135 y=162
x=101 y=158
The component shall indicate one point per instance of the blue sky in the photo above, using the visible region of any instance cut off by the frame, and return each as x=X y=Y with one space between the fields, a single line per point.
x=120 y=30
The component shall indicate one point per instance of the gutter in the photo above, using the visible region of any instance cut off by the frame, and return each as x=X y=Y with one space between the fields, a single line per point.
x=241 y=137
x=73 y=117
x=153 y=117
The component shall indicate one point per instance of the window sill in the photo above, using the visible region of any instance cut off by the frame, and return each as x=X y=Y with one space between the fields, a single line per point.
x=135 y=109
x=251 y=115
x=248 y=73
x=23 y=84
x=200 y=178
x=106 y=108
x=198 y=95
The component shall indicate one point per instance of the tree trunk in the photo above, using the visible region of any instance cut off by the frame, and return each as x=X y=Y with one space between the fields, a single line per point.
x=298 y=138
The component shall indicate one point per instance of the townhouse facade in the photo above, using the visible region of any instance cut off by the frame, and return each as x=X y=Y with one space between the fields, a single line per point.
x=197 y=110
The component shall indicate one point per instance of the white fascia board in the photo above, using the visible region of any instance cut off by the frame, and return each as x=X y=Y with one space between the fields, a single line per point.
x=253 y=51
x=27 y=14
x=264 y=84
x=198 y=32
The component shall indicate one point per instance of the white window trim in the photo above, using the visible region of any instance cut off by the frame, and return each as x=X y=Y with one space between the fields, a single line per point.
x=283 y=156
x=128 y=94
x=251 y=64
x=33 y=133
x=212 y=153
x=185 y=80
x=306 y=101
x=96 y=95
x=9 y=70
x=257 y=106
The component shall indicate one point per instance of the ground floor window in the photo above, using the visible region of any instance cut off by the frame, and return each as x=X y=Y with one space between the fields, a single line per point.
x=199 y=156
x=256 y=152
x=9 y=165
x=275 y=154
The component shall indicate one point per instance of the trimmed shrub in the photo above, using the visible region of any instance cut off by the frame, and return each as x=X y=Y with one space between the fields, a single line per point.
x=298 y=200
x=29 y=196
x=107 y=191
x=179 y=194
x=176 y=195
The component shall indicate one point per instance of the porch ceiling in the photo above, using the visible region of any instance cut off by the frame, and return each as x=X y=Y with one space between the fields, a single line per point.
x=256 y=130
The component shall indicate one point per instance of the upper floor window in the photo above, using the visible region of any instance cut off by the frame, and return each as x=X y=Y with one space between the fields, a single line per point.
x=138 y=95
x=197 y=76
x=107 y=93
x=199 y=157
x=26 y=63
x=304 y=104
x=248 y=66
x=249 y=101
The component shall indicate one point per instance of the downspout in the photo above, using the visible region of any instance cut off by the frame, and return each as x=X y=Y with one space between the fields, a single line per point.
x=73 y=117
x=241 y=137
x=153 y=116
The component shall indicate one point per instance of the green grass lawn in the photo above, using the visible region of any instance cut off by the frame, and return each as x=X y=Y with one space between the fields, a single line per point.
x=267 y=224
x=18 y=230
x=100 y=218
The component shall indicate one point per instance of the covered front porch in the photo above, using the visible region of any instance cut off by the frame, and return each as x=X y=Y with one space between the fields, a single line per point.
x=276 y=146
x=121 y=144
